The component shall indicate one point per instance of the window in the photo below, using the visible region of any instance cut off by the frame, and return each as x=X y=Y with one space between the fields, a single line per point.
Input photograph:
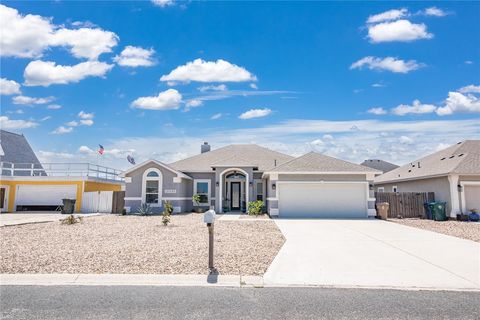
x=394 y=189
x=202 y=188
x=259 y=186
x=380 y=189
x=152 y=187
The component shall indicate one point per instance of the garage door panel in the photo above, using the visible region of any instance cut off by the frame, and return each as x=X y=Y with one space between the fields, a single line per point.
x=322 y=200
x=472 y=197
x=44 y=195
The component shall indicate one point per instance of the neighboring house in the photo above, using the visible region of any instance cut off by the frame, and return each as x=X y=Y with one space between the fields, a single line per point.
x=228 y=178
x=379 y=165
x=453 y=174
x=26 y=184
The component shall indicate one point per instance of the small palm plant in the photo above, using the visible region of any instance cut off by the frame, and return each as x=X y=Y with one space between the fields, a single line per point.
x=144 y=210
x=167 y=212
x=196 y=200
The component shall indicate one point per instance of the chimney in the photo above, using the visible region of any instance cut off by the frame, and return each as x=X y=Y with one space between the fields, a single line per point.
x=205 y=147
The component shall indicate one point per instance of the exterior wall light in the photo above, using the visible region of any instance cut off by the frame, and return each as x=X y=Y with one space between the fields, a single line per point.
x=460 y=188
x=274 y=186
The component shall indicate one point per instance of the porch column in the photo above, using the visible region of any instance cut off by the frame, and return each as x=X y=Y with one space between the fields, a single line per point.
x=454 y=198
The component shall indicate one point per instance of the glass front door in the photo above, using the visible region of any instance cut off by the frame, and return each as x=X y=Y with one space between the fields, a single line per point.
x=235 y=195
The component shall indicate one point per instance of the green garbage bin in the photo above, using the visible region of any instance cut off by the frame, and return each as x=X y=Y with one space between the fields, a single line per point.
x=438 y=211
x=68 y=206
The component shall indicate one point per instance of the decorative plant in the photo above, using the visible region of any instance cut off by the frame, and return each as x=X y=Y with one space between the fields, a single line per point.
x=167 y=211
x=72 y=220
x=144 y=210
x=255 y=208
x=196 y=199
x=124 y=212
x=474 y=210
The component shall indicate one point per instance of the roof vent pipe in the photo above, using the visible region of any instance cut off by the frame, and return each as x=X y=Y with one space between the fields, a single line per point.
x=419 y=164
x=205 y=147
x=275 y=162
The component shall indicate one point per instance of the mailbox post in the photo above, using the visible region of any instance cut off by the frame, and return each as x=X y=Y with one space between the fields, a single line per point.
x=209 y=219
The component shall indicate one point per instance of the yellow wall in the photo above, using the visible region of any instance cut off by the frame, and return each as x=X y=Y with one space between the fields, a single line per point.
x=101 y=186
x=81 y=187
x=13 y=184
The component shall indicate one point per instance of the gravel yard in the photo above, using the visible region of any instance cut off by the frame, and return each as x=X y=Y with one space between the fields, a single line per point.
x=133 y=244
x=465 y=230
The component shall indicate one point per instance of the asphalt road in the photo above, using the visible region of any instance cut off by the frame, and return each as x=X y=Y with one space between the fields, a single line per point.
x=145 y=302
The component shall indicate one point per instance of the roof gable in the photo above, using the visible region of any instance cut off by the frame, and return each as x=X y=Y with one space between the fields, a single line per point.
x=461 y=158
x=316 y=162
x=378 y=164
x=161 y=164
x=16 y=148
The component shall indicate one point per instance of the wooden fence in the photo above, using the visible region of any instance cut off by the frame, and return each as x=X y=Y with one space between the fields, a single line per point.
x=118 y=202
x=405 y=204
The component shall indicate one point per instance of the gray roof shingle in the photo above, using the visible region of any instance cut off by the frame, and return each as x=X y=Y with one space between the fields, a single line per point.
x=235 y=154
x=16 y=149
x=378 y=164
x=461 y=158
x=316 y=162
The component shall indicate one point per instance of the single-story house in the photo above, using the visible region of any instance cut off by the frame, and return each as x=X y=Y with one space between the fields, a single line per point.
x=228 y=178
x=27 y=184
x=453 y=174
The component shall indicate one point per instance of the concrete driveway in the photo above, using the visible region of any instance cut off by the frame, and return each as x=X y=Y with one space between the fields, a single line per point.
x=372 y=253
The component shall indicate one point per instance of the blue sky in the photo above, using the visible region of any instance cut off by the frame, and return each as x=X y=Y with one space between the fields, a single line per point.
x=154 y=80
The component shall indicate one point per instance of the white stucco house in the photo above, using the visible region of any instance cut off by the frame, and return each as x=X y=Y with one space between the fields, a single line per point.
x=228 y=178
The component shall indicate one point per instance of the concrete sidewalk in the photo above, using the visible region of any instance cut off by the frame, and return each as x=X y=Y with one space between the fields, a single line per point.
x=130 y=279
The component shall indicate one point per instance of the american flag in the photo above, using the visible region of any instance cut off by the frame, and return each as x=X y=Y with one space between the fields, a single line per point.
x=100 y=149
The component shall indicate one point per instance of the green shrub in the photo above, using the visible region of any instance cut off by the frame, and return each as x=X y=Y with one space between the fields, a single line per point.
x=167 y=212
x=124 y=212
x=71 y=220
x=196 y=199
x=255 y=208
x=144 y=210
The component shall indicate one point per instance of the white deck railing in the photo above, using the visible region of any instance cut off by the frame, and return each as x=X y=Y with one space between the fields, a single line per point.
x=59 y=170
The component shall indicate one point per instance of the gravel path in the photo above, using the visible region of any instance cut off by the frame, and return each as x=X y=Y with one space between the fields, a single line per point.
x=133 y=244
x=465 y=230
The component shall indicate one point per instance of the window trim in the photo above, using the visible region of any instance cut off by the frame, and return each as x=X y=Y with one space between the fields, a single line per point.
x=380 y=189
x=209 y=192
x=160 y=186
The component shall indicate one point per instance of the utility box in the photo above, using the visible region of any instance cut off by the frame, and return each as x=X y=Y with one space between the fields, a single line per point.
x=382 y=210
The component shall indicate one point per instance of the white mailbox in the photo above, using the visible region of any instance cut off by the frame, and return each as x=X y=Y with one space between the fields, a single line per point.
x=209 y=216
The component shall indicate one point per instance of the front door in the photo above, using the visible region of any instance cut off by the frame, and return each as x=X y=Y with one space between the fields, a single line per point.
x=235 y=195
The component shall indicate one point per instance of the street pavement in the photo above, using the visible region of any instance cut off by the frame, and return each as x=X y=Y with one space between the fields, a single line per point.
x=161 y=302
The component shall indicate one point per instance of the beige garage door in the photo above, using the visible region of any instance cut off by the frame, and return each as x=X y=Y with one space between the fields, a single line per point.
x=472 y=197
x=322 y=200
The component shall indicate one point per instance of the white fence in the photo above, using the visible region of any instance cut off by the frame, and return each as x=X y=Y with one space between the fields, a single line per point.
x=97 y=201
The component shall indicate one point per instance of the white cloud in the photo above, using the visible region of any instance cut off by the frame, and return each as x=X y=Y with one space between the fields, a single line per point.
x=458 y=102
x=23 y=36
x=166 y=100
x=377 y=111
x=45 y=118
x=388 y=15
x=253 y=86
x=135 y=57
x=255 y=113
x=85 y=42
x=7 y=123
x=31 y=100
x=85 y=150
x=54 y=106
x=30 y=35
x=193 y=103
x=46 y=73
x=468 y=62
x=72 y=123
x=470 y=89
x=327 y=137
x=216 y=116
x=434 y=11
x=62 y=130
x=9 y=87
x=163 y=3
x=209 y=71
x=405 y=140
x=416 y=108
x=85 y=115
x=389 y=63
x=87 y=122
x=379 y=85
x=400 y=30
x=220 y=87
